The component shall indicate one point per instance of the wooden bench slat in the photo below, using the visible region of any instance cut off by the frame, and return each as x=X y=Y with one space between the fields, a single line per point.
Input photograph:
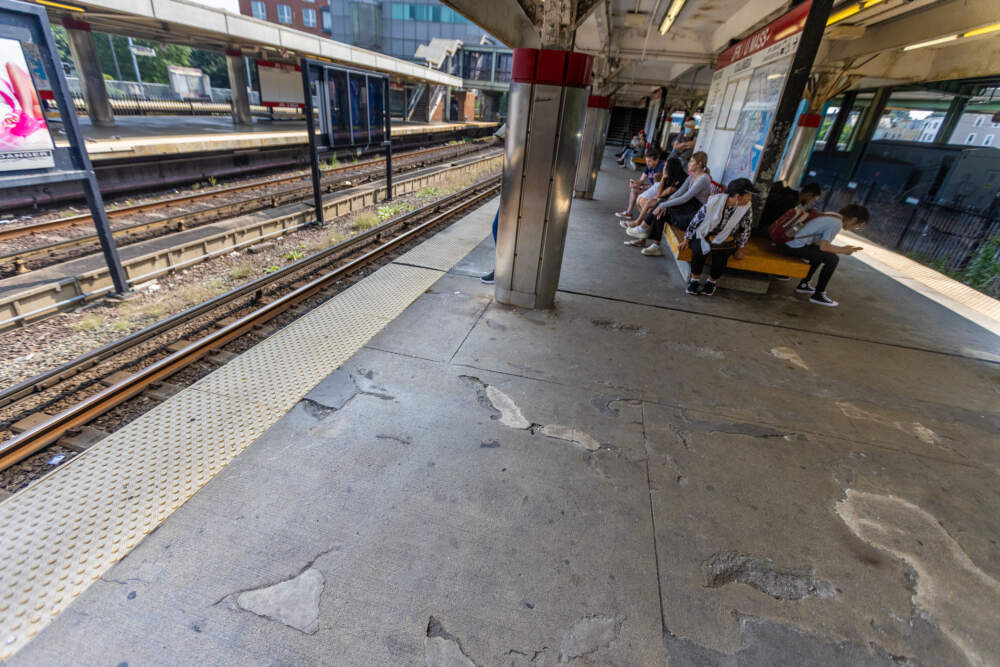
x=760 y=256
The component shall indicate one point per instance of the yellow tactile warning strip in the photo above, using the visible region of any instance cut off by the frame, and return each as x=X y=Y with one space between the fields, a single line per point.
x=437 y=252
x=63 y=532
x=959 y=298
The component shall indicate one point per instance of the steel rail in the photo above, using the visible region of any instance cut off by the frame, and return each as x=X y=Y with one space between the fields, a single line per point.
x=73 y=220
x=37 y=438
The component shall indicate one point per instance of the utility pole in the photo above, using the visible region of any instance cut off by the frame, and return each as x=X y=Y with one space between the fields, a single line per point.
x=114 y=57
x=135 y=63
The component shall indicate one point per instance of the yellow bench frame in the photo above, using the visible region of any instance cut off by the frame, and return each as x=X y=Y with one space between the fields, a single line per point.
x=759 y=256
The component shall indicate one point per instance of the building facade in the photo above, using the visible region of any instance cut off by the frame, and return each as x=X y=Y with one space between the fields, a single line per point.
x=305 y=15
x=398 y=28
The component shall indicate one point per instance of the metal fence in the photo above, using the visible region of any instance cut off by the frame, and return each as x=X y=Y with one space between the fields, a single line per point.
x=944 y=237
x=131 y=97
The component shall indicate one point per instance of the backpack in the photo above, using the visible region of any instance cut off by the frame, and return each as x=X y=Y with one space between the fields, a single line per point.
x=788 y=225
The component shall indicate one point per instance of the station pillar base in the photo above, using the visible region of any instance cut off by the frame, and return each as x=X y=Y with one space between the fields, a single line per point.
x=88 y=66
x=547 y=104
x=238 y=87
x=595 y=134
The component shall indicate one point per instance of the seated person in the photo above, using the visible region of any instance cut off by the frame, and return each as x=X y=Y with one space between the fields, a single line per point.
x=678 y=209
x=720 y=228
x=684 y=143
x=650 y=173
x=636 y=147
x=670 y=180
x=814 y=243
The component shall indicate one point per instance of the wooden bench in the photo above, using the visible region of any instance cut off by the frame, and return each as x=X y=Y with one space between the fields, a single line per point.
x=639 y=161
x=760 y=257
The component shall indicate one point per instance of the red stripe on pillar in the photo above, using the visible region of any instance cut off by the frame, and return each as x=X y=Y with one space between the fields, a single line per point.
x=73 y=24
x=810 y=120
x=599 y=102
x=523 y=68
x=578 y=70
x=550 y=68
x=234 y=52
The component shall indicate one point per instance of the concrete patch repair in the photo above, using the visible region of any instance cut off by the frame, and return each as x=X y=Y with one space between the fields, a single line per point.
x=916 y=429
x=589 y=634
x=791 y=356
x=294 y=602
x=761 y=574
x=961 y=599
x=507 y=412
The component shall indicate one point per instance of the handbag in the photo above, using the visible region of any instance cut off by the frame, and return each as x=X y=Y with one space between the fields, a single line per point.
x=788 y=225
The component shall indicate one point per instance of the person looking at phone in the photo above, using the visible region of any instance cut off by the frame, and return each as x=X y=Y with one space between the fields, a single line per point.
x=814 y=243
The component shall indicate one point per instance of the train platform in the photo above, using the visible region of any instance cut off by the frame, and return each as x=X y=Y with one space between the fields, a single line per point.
x=414 y=474
x=146 y=136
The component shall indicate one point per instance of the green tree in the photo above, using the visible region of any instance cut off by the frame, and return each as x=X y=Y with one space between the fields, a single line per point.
x=213 y=64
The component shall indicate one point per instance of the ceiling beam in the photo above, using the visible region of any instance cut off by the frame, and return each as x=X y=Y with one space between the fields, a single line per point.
x=504 y=19
x=679 y=57
x=937 y=20
x=584 y=9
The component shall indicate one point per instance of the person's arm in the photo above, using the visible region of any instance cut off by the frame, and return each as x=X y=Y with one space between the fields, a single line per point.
x=746 y=225
x=826 y=246
x=689 y=191
x=698 y=218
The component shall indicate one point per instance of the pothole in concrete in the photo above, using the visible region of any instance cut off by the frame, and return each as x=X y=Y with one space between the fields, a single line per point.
x=293 y=602
x=442 y=649
x=763 y=575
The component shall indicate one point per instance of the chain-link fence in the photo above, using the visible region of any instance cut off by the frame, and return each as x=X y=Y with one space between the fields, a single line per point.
x=964 y=243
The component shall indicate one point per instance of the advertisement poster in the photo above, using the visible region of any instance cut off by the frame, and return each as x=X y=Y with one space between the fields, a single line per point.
x=25 y=142
x=755 y=117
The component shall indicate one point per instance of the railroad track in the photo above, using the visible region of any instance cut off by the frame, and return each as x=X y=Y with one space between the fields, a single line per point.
x=58 y=250
x=300 y=283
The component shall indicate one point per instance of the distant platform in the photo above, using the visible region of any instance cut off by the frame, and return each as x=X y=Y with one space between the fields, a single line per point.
x=142 y=136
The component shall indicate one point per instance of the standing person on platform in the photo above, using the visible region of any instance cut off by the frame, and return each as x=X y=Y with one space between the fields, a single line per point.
x=499 y=136
x=814 y=243
x=677 y=210
x=720 y=229
x=650 y=174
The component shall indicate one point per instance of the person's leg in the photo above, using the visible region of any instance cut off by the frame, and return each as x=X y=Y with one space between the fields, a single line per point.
x=488 y=278
x=830 y=263
x=813 y=255
x=697 y=266
x=719 y=261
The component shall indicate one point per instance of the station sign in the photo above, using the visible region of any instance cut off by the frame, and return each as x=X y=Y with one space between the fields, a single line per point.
x=744 y=93
x=280 y=84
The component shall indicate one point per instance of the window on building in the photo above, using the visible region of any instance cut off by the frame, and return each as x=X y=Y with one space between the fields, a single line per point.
x=988 y=140
x=979 y=120
x=972 y=137
x=258 y=9
x=309 y=18
x=325 y=18
x=284 y=14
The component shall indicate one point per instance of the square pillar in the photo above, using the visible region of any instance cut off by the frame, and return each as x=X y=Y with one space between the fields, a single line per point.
x=88 y=66
x=238 y=87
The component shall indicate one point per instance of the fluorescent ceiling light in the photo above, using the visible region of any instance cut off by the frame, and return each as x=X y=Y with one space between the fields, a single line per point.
x=675 y=8
x=982 y=31
x=851 y=10
x=933 y=42
x=59 y=5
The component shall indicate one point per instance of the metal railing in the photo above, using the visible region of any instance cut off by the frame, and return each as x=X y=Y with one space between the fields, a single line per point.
x=944 y=237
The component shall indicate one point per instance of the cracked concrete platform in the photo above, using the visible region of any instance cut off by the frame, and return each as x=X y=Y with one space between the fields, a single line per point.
x=772 y=484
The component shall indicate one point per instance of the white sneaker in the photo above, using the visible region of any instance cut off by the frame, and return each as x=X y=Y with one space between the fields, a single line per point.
x=624 y=224
x=821 y=299
x=652 y=250
x=637 y=232
x=623 y=214
x=805 y=288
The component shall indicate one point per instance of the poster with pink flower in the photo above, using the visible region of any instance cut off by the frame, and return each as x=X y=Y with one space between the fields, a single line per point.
x=25 y=142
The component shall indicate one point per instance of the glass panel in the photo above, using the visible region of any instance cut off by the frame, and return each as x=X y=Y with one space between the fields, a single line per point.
x=340 y=123
x=359 y=108
x=980 y=124
x=505 y=62
x=912 y=115
x=376 y=119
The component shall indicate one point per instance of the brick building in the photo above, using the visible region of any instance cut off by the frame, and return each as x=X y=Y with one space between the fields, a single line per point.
x=306 y=15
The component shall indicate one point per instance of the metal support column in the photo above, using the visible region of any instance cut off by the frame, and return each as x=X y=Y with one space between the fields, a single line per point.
x=833 y=136
x=953 y=115
x=88 y=66
x=595 y=134
x=799 y=149
x=866 y=129
x=387 y=142
x=548 y=98
x=239 y=87
x=791 y=95
x=311 y=132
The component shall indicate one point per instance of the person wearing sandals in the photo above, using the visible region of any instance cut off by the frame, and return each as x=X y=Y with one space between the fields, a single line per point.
x=720 y=229
x=677 y=210
x=650 y=175
x=669 y=181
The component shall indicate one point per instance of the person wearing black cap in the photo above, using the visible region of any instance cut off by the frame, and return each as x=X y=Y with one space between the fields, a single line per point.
x=720 y=228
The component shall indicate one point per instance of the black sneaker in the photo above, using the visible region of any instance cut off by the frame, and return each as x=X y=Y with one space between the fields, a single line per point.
x=821 y=299
x=708 y=289
x=694 y=287
x=487 y=279
x=805 y=288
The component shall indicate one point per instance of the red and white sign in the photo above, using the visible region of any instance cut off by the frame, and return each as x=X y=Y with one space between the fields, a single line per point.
x=280 y=84
x=778 y=30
